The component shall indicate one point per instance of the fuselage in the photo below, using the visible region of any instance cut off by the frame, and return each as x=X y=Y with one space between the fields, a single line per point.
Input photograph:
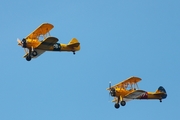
x=147 y=95
x=150 y=95
x=34 y=43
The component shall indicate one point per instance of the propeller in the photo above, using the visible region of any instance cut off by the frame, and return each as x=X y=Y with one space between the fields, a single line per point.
x=19 y=42
x=22 y=42
x=109 y=84
x=109 y=89
x=112 y=90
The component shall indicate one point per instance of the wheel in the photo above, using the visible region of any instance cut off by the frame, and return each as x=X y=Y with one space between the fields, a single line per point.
x=28 y=58
x=117 y=105
x=160 y=100
x=74 y=52
x=123 y=103
x=34 y=53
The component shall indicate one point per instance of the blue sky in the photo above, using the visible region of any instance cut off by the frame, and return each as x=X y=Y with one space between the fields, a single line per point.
x=119 y=39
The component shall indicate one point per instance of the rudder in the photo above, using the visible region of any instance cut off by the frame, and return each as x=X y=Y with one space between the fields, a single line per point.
x=161 y=89
x=73 y=41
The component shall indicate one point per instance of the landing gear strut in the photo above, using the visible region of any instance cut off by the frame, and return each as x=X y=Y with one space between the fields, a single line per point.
x=117 y=104
x=28 y=57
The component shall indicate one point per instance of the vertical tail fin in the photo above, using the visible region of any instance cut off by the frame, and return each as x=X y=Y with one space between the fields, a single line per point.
x=162 y=91
x=74 y=43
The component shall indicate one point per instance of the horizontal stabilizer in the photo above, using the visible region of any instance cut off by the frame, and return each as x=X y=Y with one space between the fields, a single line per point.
x=74 y=45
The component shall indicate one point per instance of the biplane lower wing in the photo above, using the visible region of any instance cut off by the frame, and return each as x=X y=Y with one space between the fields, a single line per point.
x=39 y=52
x=116 y=99
x=131 y=96
x=48 y=43
x=135 y=94
x=125 y=99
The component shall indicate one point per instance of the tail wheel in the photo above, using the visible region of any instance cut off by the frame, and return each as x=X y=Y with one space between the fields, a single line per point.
x=123 y=103
x=117 y=105
x=34 y=53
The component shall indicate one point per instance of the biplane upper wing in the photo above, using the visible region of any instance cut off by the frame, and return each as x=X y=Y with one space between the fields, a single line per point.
x=41 y=30
x=131 y=80
x=47 y=43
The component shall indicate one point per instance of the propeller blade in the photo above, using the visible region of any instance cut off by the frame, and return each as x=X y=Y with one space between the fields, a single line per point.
x=110 y=89
x=109 y=96
x=109 y=84
x=19 y=41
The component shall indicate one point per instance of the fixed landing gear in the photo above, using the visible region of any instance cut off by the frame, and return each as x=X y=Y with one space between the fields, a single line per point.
x=34 y=53
x=123 y=103
x=160 y=100
x=31 y=54
x=117 y=105
x=28 y=58
x=74 y=52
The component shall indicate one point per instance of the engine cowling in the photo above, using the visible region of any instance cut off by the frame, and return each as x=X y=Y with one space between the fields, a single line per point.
x=113 y=92
x=24 y=43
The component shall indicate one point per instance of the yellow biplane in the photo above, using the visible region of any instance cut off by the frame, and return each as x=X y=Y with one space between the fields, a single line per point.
x=34 y=47
x=128 y=90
